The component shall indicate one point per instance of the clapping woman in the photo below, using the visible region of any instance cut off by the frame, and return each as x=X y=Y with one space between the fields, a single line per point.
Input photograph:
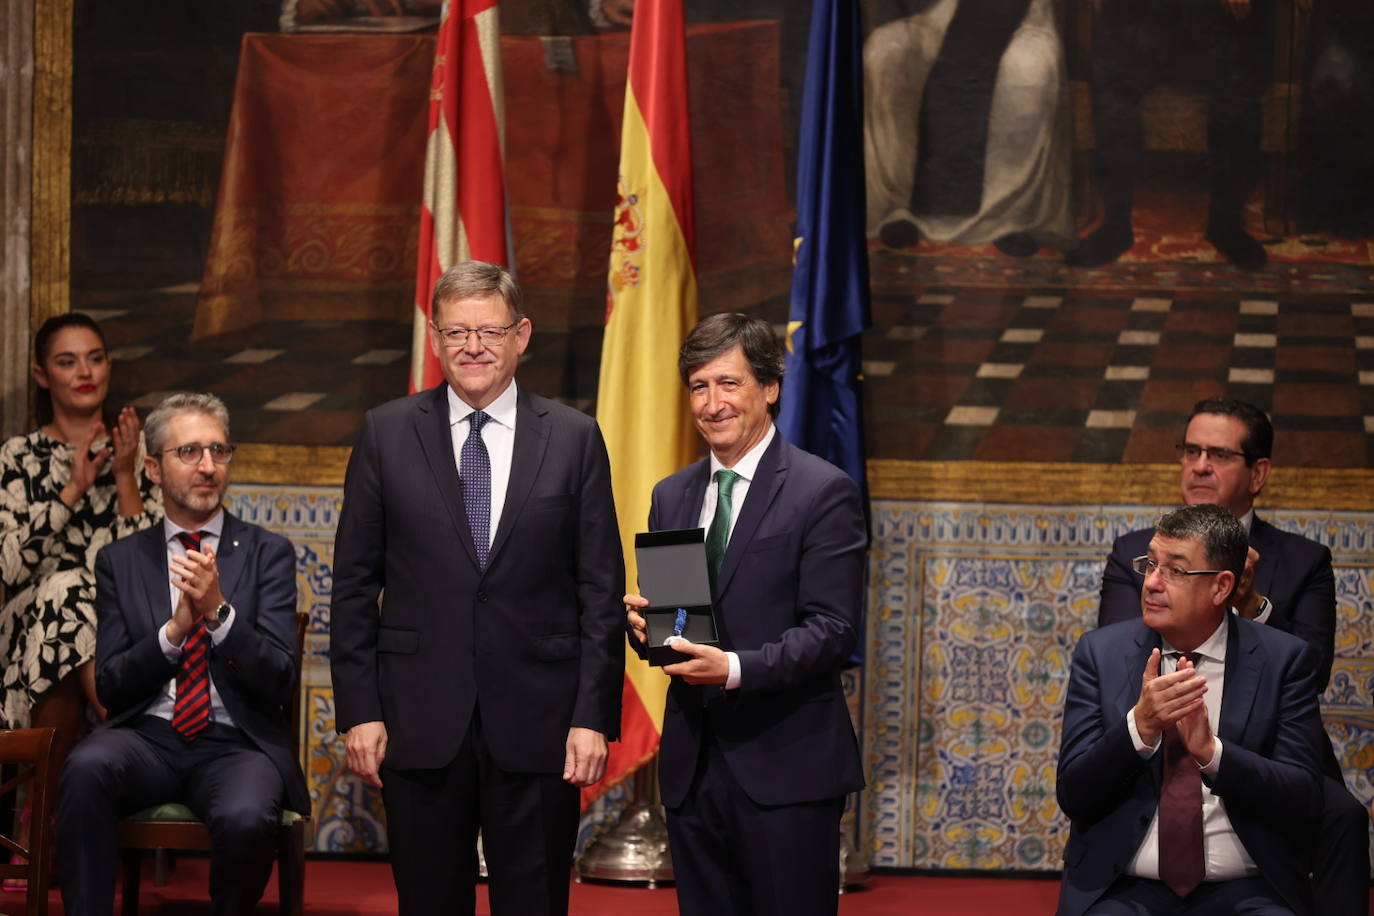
x=66 y=490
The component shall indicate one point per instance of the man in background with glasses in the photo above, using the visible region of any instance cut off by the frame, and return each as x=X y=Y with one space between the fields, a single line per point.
x=1287 y=583
x=196 y=660
x=484 y=692
x=1190 y=751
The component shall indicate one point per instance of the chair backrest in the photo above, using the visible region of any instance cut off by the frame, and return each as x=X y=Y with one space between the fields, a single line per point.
x=30 y=750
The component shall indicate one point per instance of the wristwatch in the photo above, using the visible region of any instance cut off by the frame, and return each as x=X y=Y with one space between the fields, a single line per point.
x=221 y=614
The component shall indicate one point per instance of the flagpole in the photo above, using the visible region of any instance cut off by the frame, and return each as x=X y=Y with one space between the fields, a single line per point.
x=635 y=850
x=641 y=403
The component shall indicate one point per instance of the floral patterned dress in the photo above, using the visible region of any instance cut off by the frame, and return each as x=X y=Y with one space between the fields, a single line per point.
x=47 y=558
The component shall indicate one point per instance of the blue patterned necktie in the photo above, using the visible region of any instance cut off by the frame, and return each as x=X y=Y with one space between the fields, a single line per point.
x=474 y=473
x=719 y=533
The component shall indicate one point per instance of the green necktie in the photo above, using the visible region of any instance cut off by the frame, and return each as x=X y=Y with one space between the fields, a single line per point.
x=719 y=534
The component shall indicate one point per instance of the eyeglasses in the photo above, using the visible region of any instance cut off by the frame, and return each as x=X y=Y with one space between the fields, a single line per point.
x=1188 y=453
x=1144 y=566
x=455 y=338
x=190 y=452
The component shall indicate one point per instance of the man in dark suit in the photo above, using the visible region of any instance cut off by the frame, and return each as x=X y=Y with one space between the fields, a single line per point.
x=1189 y=758
x=484 y=692
x=758 y=751
x=195 y=659
x=1288 y=584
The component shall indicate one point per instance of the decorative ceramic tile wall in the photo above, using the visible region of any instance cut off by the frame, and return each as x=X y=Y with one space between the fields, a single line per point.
x=974 y=611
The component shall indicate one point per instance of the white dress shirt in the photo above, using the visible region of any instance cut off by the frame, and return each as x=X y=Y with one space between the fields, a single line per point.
x=164 y=705
x=747 y=467
x=498 y=436
x=1224 y=854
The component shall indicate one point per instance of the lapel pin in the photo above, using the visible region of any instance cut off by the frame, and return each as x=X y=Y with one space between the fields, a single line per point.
x=236 y=543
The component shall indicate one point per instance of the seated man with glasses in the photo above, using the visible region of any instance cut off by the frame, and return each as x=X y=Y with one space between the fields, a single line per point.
x=1287 y=583
x=195 y=659
x=1190 y=751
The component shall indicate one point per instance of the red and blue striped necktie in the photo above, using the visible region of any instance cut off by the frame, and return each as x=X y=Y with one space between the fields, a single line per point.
x=191 y=712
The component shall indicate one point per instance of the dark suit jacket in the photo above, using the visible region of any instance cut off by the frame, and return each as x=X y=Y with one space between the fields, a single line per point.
x=1270 y=729
x=534 y=642
x=254 y=668
x=789 y=600
x=1293 y=572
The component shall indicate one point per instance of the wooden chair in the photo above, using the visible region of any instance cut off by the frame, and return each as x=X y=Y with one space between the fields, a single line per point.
x=30 y=749
x=174 y=826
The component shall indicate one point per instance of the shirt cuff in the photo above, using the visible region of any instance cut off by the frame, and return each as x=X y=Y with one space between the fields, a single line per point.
x=1144 y=750
x=1211 y=767
x=1266 y=606
x=170 y=652
x=732 y=680
x=217 y=635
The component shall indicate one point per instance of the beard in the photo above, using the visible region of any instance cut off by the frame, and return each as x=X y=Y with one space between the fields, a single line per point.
x=192 y=500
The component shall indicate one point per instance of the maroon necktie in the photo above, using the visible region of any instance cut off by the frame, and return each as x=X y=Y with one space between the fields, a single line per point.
x=1181 y=866
x=191 y=712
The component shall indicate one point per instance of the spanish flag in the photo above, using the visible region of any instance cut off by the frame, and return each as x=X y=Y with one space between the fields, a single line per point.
x=651 y=304
x=463 y=214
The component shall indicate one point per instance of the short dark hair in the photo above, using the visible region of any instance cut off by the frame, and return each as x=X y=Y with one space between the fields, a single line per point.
x=42 y=345
x=1221 y=534
x=475 y=280
x=1258 y=441
x=718 y=334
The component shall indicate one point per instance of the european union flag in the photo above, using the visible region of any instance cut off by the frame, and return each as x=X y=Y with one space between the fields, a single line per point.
x=822 y=405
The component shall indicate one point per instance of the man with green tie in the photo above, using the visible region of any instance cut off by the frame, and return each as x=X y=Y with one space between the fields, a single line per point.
x=758 y=752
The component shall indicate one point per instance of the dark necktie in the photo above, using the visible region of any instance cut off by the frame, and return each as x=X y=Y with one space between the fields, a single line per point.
x=1181 y=865
x=474 y=472
x=191 y=711
x=718 y=535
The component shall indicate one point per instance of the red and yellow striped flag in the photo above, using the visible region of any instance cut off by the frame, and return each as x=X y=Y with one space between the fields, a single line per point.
x=463 y=214
x=651 y=304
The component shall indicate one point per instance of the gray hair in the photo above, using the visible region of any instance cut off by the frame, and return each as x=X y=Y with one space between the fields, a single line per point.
x=155 y=427
x=1220 y=533
x=477 y=280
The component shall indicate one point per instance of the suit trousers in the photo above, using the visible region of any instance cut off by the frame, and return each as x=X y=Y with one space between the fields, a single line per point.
x=528 y=823
x=733 y=857
x=1130 y=896
x=1340 y=853
x=222 y=776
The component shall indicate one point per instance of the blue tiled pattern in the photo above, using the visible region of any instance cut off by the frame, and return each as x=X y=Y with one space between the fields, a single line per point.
x=974 y=611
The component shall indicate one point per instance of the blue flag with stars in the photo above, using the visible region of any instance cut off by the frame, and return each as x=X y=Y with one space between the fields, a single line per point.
x=822 y=404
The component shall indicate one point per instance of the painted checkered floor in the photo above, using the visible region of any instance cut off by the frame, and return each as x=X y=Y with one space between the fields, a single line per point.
x=952 y=373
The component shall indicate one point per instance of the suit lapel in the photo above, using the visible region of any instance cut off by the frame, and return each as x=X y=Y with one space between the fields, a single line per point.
x=1243 y=667
x=436 y=441
x=1133 y=665
x=231 y=555
x=1262 y=539
x=687 y=513
x=531 y=441
x=156 y=579
x=1128 y=685
x=768 y=480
